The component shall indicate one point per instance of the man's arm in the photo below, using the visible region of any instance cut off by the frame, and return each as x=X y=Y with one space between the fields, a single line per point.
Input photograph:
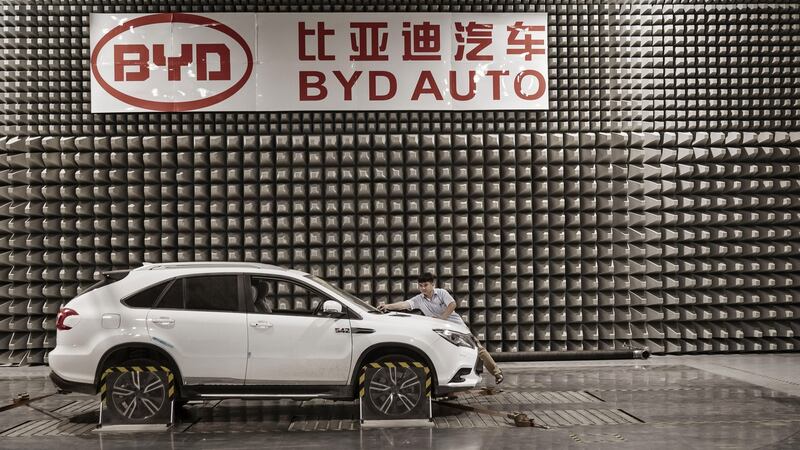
x=397 y=306
x=450 y=308
x=450 y=302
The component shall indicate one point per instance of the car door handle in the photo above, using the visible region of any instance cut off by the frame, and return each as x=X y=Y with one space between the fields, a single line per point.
x=261 y=324
x=163 y=321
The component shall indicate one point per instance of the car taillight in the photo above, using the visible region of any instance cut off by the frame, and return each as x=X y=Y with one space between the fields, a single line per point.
x=63 y=313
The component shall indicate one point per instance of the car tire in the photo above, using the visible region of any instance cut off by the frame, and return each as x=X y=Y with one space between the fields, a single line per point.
x=393 y=393
x=137 y=397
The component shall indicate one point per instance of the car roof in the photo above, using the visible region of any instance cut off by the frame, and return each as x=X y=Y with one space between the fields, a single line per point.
x=212 y=266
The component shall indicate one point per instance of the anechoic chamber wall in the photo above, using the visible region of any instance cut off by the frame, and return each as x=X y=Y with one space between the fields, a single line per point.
x=655 y=203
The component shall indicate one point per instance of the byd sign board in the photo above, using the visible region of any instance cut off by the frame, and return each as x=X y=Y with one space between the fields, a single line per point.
x=181 y=62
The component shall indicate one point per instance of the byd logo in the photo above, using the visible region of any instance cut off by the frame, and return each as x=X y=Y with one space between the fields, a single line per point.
x=200 y=67
x=122 y=54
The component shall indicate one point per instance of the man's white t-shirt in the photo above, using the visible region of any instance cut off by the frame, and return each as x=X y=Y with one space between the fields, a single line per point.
x=435 y=306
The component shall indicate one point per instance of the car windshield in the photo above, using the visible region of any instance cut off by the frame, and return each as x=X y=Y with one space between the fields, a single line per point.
x=345 y=294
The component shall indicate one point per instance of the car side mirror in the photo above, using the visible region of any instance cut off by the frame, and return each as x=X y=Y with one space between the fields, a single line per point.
x=332 y=308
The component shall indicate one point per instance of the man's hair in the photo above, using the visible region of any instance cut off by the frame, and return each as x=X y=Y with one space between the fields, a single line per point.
x=425 y=277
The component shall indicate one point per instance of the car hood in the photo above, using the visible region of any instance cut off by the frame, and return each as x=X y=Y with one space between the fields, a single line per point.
x=417 y=321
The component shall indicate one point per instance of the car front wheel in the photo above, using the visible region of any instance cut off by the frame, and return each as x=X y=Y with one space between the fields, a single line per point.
x=393 y=391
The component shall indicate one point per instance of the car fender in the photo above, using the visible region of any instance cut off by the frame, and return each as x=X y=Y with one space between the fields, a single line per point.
x=392 y=345
x=138 y=345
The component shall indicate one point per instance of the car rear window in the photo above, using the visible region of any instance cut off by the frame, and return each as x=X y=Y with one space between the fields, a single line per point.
x=146 y=298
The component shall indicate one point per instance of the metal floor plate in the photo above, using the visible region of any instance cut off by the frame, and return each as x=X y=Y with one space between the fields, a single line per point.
x=552 y=418
x=77 y=407
x=525 y=398
x=325 y=415
x=303 y=423
x=52 y=427
x=591 y=406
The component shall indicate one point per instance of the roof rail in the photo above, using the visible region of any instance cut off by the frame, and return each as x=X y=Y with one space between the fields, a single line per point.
x=198 y=264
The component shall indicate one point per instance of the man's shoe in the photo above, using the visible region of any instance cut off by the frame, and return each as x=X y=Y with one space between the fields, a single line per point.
x=498 y=378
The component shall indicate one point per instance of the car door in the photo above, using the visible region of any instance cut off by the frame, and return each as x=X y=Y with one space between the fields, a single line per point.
x=288 y=343
x=201 y=322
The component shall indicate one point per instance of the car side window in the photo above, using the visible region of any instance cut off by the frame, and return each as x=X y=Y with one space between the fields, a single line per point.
x=211 y=293
x=173 y=298
x=146 y=298
x=261 y=295
x=274 y=296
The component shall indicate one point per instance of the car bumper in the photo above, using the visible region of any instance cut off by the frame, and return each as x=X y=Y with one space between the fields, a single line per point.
x=470 y=381
x=462 y=382
x=72 y=366
x=454 y=367
x=72 y=386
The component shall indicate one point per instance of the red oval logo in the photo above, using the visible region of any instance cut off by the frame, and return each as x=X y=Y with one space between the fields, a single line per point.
x=172 y=106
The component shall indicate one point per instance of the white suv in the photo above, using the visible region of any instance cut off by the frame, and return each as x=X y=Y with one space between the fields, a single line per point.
x=242 y=330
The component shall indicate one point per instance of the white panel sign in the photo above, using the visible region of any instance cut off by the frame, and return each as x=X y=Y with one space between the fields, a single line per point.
x=175 y=62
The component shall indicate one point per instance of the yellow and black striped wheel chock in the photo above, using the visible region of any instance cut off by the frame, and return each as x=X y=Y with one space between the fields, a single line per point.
x=121 y=369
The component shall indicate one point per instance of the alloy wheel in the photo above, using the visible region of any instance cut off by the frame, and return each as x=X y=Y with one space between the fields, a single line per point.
x=395 y=391
x=138 y=395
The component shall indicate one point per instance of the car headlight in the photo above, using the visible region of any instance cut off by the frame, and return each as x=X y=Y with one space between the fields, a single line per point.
x=456 y=338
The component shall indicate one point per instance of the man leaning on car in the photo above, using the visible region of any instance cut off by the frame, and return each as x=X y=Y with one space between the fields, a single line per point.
x=438 y=303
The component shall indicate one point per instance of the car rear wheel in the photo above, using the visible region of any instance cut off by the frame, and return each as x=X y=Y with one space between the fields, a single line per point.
x=396 y=391
x=137 y=396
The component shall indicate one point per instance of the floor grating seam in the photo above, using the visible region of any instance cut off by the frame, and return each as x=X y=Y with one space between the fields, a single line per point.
x=761 y=375
x=730 y=421
x=523 y=398
x=631 y=415
x=597 y=438
x=656 y=389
